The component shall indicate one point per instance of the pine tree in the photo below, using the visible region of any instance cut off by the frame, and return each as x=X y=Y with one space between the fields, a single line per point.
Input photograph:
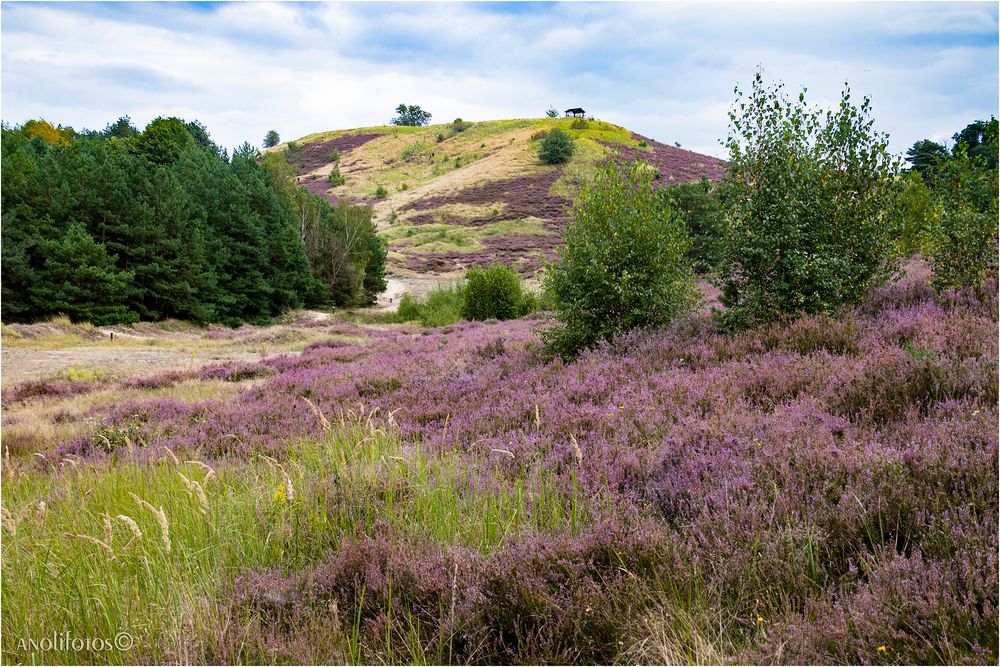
x=80 y=279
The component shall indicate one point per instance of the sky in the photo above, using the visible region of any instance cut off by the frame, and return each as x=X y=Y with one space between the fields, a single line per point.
x=665 y=70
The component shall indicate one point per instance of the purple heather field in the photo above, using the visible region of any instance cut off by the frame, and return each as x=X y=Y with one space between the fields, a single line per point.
x=826 y=487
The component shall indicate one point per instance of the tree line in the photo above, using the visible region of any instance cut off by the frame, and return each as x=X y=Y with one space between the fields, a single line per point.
x=119 y=225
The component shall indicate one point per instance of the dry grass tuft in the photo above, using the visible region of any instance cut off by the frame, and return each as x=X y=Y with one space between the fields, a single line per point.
x=209 y=470
x=132 y=526
x=671 y=636
x=161 y=519
x=93 y=540
x=7 y=521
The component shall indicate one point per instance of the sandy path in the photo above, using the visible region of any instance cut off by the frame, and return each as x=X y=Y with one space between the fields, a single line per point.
x=416 y=286
x=20 y=363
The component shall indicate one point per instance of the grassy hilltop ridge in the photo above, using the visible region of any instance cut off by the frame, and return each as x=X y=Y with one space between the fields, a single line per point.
x=454 y=195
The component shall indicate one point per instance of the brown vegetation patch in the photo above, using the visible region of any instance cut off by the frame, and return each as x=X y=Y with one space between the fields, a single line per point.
x=308 y=157
x=521 y=197
x=675 y=165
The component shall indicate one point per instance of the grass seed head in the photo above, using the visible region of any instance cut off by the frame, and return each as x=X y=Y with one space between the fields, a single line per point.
x=132 y=526
x=161 y=519
x=93 y=540
x=209 y=470
x=7 y=521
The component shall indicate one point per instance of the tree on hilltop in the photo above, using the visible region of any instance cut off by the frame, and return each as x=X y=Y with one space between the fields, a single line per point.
x=271 y=139
x=411 y=115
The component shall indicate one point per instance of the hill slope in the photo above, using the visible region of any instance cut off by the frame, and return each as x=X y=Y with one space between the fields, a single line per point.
x=458 y=195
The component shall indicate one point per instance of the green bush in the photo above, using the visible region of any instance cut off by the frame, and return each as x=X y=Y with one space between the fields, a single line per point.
x=579 y=124
x=442 y=306
x=624 y=264
x=494 y=293
x=413 y=150
x=808 y=198
x=913 y=214
x=557 y=147
x=381 y=192
x=408 y=309
x=335 y=155
x=963 y=244
x=335 y=178
x=701 y=210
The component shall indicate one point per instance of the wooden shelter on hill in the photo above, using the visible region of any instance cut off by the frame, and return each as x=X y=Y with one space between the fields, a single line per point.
x=576 y=112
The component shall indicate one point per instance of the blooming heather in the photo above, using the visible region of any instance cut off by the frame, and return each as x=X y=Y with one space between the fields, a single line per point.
x=834 y=476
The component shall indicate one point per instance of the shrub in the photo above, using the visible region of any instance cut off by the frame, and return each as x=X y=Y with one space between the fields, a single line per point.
x=458 y=125
x=440 y=137
x=701 y=210
x=579 y=124
x=335 y=177
x=552 y=112
x=381 y=192
x=442 y=306
x=556 y=147
x=963 y=245
x=115 y=436
x=913 y=212
x=413 y=150
x=808 y=195
x=493 y=293
x=408 y=309
x=335 y=155
x=624 y=264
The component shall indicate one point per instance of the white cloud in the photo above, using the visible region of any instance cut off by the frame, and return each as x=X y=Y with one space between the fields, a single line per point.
x=665 y=70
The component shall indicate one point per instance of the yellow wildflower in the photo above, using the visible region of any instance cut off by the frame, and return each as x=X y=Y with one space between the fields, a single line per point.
x=279 y=496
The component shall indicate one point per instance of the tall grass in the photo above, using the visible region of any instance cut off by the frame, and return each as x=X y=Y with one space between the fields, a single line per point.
x=149 y=548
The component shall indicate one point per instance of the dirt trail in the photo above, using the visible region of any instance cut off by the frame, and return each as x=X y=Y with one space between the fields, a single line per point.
x=20 y=364
x=416 y=286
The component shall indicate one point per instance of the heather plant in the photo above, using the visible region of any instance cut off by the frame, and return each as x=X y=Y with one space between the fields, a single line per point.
x=624 y=265
x=494 y=292
x=820 y=490
x=556 y=147
x=807 y=199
